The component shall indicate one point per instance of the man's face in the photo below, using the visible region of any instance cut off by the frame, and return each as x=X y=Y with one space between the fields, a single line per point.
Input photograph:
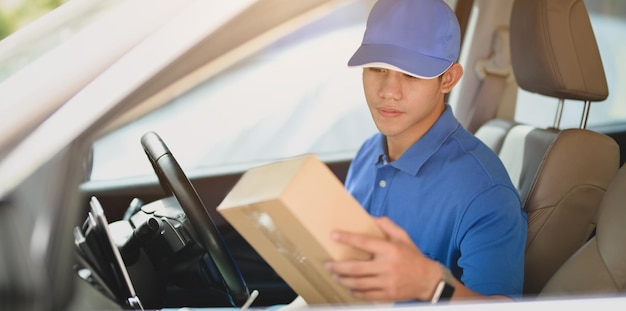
x=402 y=106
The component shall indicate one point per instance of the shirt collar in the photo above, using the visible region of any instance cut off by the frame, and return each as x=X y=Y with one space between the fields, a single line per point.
x=414 y=158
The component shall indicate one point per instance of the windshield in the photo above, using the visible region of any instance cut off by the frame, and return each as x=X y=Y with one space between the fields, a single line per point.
x=296 y=96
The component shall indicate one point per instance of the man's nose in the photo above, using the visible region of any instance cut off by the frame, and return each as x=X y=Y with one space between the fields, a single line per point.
x=391 y=87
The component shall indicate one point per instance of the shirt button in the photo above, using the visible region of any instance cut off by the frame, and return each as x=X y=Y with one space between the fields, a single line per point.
x=382 y=183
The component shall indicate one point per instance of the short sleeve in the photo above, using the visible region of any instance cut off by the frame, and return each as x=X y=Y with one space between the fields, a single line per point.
x=492 y=240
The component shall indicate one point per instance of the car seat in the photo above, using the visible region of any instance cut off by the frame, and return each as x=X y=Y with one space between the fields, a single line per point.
x=599 y=267
x=561 y=174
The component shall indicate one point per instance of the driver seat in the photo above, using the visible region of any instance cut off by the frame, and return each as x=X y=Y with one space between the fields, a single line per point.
x=561 y=174
x=599 y=267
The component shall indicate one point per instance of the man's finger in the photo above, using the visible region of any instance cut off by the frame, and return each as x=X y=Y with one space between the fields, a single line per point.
x=365 y=283
x=363 y=242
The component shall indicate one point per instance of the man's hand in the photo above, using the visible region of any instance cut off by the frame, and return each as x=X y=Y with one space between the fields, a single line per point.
x=397 y=271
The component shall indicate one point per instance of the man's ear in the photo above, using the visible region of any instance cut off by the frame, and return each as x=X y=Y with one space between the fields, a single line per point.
x=451 y=77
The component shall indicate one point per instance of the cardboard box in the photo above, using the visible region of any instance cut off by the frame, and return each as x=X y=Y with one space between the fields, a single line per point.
x=287 y=210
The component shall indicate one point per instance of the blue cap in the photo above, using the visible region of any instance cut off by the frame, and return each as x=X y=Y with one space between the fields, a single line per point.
x=421 y=38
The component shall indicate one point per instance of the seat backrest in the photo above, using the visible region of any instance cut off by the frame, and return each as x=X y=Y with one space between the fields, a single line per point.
x=493 y=132
x=563 y=191
x=599 y=267
x=561 y=174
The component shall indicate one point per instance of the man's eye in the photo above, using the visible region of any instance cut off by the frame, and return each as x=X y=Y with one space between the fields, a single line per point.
x=376 y=69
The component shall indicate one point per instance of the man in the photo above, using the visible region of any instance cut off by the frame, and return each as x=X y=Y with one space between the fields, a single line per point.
x=453 y=221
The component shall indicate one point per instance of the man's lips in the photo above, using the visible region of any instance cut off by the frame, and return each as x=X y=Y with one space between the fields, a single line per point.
x=388 y=112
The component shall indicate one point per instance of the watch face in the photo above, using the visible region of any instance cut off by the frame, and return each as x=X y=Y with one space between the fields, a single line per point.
x=443 y=292
x=447 y=291
x=445 y=288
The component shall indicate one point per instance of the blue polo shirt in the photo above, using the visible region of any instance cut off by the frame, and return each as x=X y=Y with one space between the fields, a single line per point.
x=453 y=196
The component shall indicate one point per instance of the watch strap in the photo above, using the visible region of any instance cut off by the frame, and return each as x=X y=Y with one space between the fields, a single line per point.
x=445 y=287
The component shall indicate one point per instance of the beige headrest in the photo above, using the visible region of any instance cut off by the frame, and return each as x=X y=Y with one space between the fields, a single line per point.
x=554 y=51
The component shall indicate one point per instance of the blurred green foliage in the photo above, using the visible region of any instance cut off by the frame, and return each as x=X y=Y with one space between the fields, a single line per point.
x=16 y=14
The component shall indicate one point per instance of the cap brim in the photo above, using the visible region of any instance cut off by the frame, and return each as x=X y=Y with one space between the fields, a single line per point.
x=399 y=59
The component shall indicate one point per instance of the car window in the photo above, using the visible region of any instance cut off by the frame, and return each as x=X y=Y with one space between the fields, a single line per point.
x=296 y=96
x=608 y=19
x=44 y=34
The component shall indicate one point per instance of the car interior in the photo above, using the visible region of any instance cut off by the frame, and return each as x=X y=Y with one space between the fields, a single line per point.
x=160 y=243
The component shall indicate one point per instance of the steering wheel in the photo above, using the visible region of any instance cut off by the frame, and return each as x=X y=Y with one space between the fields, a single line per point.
x=174 y=180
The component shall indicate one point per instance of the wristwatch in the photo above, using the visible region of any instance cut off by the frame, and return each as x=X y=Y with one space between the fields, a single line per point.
x=445 y=287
